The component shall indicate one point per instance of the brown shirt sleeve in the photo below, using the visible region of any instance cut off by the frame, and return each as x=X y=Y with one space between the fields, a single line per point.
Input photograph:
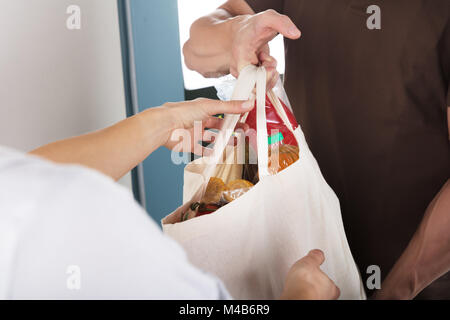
x=262 y=5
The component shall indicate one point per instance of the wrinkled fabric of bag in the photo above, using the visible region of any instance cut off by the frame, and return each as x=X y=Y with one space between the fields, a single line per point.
x=251 y=243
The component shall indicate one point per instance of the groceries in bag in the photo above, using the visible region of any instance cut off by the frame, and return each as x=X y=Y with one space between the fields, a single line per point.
x=283 y=152
x=217 y=195
x=251 y=242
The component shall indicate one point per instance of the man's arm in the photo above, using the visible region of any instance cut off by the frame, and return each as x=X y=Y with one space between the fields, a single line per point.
x=232 y=37
x=208 y=49
x=427 y=256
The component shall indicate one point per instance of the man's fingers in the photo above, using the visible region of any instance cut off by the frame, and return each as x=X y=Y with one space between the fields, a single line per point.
x=270 y=63
x=272 y=78
x=280 y=23
x=267 y=60
x=337 y=292
x=316 y=257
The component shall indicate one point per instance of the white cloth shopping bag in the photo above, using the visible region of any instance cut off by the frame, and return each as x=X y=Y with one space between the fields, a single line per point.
x=251 y=243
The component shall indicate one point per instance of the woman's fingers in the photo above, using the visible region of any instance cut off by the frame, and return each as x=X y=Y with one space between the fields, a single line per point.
x=198 y=115
x=209 y=136
x=216 y=123
x=242 y=126
x=212 y=107
x=213 y=123
x=186 y=114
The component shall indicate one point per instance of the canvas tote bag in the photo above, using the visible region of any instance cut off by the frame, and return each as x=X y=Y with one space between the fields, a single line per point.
x=251 y=243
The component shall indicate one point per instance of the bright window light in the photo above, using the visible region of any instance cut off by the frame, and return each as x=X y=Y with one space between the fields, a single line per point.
x=191 y=10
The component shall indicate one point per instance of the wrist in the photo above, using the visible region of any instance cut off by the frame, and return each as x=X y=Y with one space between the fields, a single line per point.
x=398 y=286
x=158 y=124
x=235 y=25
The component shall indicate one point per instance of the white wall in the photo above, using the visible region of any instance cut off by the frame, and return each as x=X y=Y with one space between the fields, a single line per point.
x=55 y=82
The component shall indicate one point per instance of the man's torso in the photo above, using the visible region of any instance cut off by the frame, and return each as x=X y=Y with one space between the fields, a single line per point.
x=372 y=104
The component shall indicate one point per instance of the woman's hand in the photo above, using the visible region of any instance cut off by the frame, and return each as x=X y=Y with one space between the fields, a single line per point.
x=121 y=147
x=197 y=115
x=305 y=280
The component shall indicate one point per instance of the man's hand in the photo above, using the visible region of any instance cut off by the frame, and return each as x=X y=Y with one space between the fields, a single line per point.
x=251 y=35
x=305 y=280
x=233 y=37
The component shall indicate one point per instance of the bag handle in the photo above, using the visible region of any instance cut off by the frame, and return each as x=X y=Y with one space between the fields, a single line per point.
x=261 y=124
x=248 y=78
x=280 y=110
x=242 y=91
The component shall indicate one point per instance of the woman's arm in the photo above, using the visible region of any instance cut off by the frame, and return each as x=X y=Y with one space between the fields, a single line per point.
x=119 y=148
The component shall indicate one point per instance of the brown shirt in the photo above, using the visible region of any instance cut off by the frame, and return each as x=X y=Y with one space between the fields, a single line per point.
x=373 y=104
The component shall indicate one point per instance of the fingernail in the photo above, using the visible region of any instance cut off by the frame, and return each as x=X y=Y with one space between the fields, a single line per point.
x=247 y=104
x=293 y=31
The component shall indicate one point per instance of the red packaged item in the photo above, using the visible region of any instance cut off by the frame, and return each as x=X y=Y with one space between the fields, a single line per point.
x=276 y=129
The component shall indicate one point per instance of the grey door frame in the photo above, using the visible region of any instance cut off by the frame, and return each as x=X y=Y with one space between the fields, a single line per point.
x=130 y=87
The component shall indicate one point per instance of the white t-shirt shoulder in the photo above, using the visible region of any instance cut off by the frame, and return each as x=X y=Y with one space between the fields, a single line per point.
x=68 y=232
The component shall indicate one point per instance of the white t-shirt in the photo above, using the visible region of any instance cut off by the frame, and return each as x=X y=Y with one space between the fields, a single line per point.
x=68 y=232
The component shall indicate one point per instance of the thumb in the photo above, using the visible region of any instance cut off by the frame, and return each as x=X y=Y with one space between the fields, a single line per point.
x=316 y=257
x=280 y=23
x=234 y=106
